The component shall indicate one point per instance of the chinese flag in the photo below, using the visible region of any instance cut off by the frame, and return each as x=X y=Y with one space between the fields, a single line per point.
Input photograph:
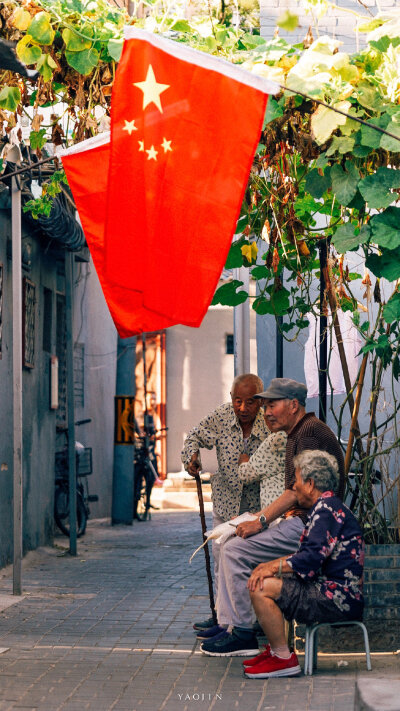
x=184 y=129
x=86 y=167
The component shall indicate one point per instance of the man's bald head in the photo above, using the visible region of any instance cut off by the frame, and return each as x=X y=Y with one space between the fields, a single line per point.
x=245 y=405
x=248 y=379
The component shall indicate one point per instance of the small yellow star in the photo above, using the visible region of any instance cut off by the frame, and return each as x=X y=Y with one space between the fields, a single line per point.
x=166 y=145
x=141 y=146
x=152 y=153
x=151 y=89
x=130 y=126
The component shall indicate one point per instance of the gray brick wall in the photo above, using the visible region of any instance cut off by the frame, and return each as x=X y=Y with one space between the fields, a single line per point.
x=382 y=607
x=382 y=582
x=337 y=23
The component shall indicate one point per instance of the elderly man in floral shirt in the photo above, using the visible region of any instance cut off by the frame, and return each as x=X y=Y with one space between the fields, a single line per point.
x=232 y=428
x=325 y=581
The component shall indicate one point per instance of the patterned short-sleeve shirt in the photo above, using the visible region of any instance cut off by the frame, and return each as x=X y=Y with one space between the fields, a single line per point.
x=331 y=554
x=221 y=429
x=267 y=465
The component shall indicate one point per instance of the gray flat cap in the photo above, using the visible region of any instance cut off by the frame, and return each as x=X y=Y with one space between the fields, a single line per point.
x=284 y=389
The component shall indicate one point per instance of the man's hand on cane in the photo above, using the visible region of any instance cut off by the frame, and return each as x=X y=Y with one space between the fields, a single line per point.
x=194 y=465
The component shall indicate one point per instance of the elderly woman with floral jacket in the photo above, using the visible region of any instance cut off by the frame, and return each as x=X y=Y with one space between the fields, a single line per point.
x=325 y=574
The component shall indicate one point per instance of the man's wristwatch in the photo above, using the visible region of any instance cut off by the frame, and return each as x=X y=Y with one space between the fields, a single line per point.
x=263 y=521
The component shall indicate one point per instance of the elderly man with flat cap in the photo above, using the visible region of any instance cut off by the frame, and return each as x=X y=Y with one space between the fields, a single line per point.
x=278 y=527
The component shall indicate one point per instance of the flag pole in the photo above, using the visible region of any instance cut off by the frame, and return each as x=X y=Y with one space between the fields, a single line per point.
x=206 y=550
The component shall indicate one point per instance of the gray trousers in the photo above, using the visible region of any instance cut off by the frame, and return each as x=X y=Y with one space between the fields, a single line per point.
x=237 y=559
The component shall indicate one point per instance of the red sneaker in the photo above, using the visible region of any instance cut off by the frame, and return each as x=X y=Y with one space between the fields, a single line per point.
x=274 y=666
x=254 y=660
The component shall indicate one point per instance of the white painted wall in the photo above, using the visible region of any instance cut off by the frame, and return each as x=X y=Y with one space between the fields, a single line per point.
x=94 y=328
x=199 y=377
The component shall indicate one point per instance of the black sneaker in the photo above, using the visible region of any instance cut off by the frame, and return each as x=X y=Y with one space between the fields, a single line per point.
x=210 y=632
x=205 y=625
x=231 y=645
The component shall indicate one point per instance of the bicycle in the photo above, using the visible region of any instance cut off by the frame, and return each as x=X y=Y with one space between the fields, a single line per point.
x=145 y=476
x=61 y=494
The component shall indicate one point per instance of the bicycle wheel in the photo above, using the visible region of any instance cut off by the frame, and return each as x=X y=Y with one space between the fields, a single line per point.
x=61 y=512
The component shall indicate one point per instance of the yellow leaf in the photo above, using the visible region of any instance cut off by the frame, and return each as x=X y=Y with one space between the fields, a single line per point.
x=246 y=251
x=249 y=252
x=324 y=121
x=20 y=19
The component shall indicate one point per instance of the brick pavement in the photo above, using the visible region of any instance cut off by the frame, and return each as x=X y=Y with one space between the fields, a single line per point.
x=112 y=630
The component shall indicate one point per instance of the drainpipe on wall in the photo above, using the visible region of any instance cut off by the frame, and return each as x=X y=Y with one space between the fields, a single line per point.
x=69 y=285
x=17 y=382
x=123 y=476
x=241 y=327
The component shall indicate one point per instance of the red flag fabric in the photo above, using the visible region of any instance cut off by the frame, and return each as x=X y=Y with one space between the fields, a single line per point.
x=86 y=166
x=184 y=129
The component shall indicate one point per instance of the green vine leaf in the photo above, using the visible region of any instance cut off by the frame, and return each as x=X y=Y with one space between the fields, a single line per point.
x=376 y=188
x=40 y=28
x=369 y=136
x=273 y=111
x=37 y=139
x=261 y=272
x=279 y=299
x=74 y=42
x=45 y=66
x=27 y=52
x=385 y=265
x=263 y=306
x=317 y=184
x=227 y=294
x=386 y=228
x=10 y=96
x=387 y=142
x=114 y=48
x=84 y=62
x=391 y=311
x=344 y=182
x=235 y=257
x=345 y=239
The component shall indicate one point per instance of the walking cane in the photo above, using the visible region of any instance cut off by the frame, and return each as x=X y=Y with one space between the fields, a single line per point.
x=206 y=551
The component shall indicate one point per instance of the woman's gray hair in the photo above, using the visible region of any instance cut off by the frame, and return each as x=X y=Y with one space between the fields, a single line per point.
x=319 y=466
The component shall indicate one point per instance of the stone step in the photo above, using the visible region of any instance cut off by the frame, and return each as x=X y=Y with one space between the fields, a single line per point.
x=179 y=500
x=184 y=482
x=377 y=694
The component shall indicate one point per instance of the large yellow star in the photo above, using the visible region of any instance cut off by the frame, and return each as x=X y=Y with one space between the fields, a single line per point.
x=130 y=126
x=151 y=153
x=151 y=89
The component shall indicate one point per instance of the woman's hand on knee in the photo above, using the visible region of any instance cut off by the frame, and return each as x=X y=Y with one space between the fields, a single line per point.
x=256 y=580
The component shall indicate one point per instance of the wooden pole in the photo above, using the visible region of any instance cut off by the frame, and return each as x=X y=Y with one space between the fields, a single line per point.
x=206 y=551
x=354 y=429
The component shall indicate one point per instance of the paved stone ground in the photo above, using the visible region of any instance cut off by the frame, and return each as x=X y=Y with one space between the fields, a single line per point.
x=112 y=629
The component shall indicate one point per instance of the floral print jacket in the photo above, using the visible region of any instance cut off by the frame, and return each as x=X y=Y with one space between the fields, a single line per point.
x=331 y=554
x=221 y=429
